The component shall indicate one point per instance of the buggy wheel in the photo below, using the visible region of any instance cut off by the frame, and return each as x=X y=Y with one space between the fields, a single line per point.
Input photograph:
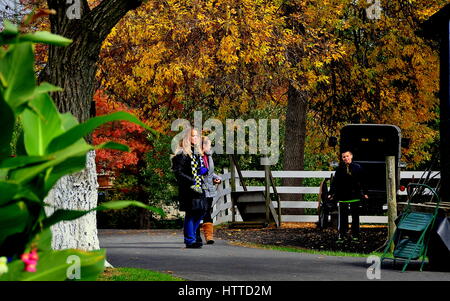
x=322 y=211
x=321 y=217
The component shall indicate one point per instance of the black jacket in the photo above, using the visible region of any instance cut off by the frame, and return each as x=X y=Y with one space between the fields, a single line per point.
x=181 y=166
x=348 y=184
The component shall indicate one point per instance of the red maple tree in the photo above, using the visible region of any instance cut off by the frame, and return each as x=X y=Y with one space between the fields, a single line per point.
x=112 y=161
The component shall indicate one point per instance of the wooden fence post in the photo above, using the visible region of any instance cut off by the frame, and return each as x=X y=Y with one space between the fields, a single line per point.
x=266 y=172
x=391 y=193
x=219 y=200
x=272 y=181
x=233 y=188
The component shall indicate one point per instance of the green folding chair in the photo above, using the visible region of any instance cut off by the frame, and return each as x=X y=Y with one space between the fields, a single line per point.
x=412 y=234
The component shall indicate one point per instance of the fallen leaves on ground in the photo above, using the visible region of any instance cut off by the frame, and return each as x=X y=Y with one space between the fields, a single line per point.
x=307 y=236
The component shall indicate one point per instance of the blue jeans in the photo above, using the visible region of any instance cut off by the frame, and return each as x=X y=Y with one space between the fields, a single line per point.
x=191 y=224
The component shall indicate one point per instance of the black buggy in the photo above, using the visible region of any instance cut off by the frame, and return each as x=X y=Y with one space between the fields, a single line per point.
x=370 y=144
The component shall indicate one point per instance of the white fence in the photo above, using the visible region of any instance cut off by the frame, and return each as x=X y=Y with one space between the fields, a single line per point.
x=222 y=202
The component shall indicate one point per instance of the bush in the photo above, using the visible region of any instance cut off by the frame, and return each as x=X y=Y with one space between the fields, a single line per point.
x=152 y=182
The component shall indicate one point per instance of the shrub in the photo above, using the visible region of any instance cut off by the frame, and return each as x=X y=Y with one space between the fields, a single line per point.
x=152 y=183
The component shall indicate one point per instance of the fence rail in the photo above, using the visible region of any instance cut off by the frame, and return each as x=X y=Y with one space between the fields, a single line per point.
x=222 y=202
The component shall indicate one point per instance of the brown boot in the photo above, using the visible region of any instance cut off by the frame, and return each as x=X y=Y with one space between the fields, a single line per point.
x=208 y=230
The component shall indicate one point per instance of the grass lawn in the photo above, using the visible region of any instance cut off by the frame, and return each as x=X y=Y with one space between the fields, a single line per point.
x=327 y=253
x=134 y=274
x=302 y=250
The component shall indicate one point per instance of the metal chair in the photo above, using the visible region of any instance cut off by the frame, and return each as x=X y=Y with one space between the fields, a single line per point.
x=412 y=234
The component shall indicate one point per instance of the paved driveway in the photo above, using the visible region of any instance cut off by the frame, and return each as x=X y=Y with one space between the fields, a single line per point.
x=164 y=251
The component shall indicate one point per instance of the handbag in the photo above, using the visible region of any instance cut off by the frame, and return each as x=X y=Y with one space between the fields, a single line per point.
x=199 y=205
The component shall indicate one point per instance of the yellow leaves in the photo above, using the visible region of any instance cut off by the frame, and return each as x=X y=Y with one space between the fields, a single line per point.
x=421 y=136
x=323 y=79
x=424 y=12
x=131 y=85
x=318 y=64
x=362 y=107
x=225 y=105
x=395 y=63
x=237 y=56
x=409 y=50
x=244 y=103
x=205 y=88
x=227 y=52
x=339 y=54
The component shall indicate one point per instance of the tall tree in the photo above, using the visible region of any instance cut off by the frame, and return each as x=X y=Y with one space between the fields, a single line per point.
x=175 y=57
x=309 y=26
x=387 y=75
x=73 y=68
x=352 y=67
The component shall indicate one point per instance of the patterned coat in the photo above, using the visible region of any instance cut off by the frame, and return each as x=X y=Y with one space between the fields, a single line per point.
x=209 y=187
x=181 y=166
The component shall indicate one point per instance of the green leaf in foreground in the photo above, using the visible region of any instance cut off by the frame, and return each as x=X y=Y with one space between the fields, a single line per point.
x=46 y=38
x=9 y=28
x=67 y=215
x=81 y=130
x=57 y=265
x=7 y=121
x=18 y=72
x=14 y=219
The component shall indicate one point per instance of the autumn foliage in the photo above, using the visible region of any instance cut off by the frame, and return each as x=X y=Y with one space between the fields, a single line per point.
x=388 y=75
x=175 y=57
x=236 y=59
x=122 y=132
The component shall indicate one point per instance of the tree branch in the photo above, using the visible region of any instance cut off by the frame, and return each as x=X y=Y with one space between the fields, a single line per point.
x=108 y=13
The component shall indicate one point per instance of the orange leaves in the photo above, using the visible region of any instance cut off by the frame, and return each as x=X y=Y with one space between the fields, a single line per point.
x=122 y=132
x=38 y=14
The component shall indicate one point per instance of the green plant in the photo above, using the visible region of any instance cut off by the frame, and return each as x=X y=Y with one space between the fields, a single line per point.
x=158 y=173
x=49 y=146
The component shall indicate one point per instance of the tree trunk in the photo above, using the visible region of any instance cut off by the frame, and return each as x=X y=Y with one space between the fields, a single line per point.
x=294 y=142
x=76 y=192
x=73 y=68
